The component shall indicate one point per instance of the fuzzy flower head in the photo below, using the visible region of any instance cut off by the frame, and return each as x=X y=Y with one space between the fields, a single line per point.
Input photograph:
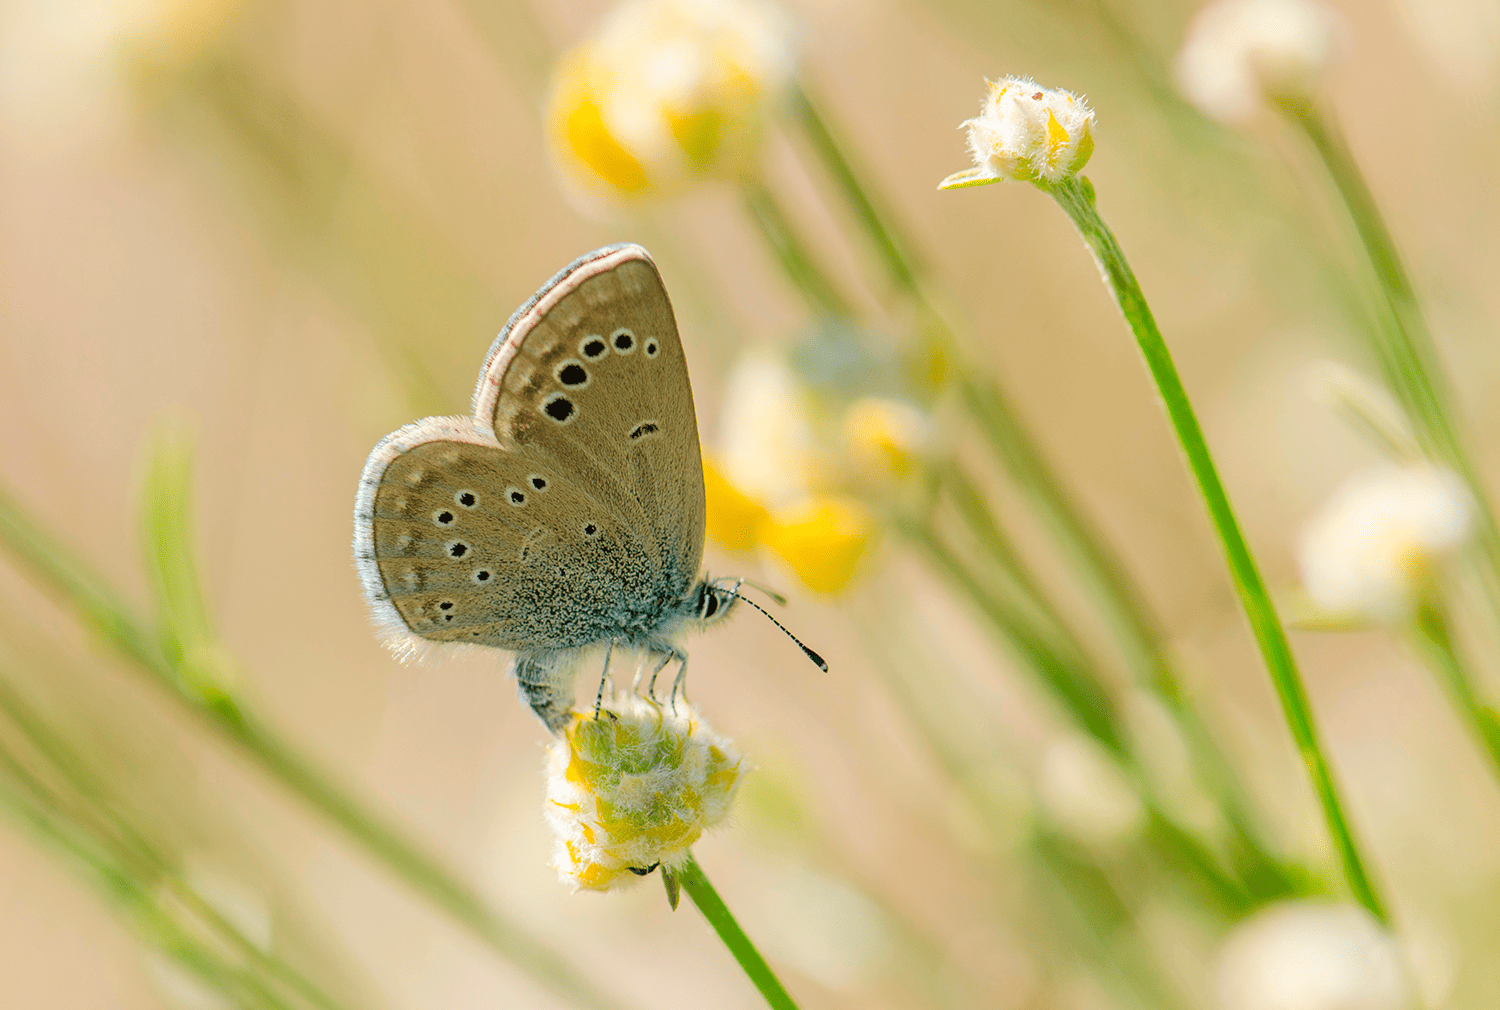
x=666 y=93
x=1027 y=133
x=1368 y=553
x=634 y=789
x=1240 y=54
x=1312 y=955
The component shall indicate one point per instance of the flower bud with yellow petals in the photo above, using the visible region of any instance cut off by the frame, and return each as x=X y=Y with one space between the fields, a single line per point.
x=634 y=789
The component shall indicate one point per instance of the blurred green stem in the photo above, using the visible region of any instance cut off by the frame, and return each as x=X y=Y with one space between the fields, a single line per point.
x=1435 y=640
x=1099 y=918
x=723 y=921
x=1076 y=197
x=134 y=855
x=1404 y=345
x=102 y=611
x=791 y=251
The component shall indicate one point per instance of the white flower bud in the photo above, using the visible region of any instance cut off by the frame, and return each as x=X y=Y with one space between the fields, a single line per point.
x=1027 y=133
x=1366 y=553
x=1239 y=54
x=1311 y=955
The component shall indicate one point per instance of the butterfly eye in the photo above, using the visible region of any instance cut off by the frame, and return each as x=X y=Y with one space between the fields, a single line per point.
x=559 y=408
x=468 y=499
x=623 y=339
x=593 y=348
x=572 y=374
x=652 y=347
x=710 y=605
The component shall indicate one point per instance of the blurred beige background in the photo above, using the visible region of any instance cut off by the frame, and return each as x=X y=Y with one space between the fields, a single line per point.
x=300 y=223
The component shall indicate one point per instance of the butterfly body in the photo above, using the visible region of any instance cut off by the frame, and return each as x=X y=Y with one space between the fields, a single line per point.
x=568 y=511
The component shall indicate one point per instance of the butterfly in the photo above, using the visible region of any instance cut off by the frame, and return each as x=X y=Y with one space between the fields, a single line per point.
x=568 y=511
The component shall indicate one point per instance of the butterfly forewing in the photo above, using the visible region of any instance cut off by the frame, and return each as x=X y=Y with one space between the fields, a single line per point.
x=570 y=510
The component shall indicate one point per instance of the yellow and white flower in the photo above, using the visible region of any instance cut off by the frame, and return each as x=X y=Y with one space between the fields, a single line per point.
x=667 y=93
x=1028 y=133
x=778 y=481
x=1240 y=55
x=634 y=789
x=1370 y=551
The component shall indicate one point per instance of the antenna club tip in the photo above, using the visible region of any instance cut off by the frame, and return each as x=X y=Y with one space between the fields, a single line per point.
x=822 y=664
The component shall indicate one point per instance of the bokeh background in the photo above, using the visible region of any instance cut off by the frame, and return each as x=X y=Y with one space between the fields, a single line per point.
x=299 y=223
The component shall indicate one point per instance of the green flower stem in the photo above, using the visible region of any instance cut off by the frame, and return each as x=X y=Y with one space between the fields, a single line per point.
x=1404 y=344
x=1076 y=197
x=791 y=251
x=722 y=920
x=1104 y=575
x=1435 y=640
x=102 y=611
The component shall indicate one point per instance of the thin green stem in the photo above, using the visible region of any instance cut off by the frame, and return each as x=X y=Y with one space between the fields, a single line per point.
x=1076 y=197
x=1435 y=640
x=791 y=251
x=1104 y=574
x=890 y=247
x=105 y=613
x=1404 y=343
x=723 y=921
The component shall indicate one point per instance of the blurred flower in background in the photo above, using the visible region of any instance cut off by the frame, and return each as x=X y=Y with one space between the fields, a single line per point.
x=667 y=93
x=1370 y=551
x=804 y=477
x=1311 y=955
x=61 y=63
x=1085 y=794
x=635 y=789
x=1240 y=54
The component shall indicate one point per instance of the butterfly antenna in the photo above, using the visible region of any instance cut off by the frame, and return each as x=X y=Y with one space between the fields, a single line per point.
x=809 y=653
x=773 y=594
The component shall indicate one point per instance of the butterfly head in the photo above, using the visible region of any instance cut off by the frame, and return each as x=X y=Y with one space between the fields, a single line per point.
x=713 y=599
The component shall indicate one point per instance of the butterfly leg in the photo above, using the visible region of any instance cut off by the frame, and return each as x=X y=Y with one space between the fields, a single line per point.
x=545 y=680
x=679 y=683
x=666 y=658
x=599 y=698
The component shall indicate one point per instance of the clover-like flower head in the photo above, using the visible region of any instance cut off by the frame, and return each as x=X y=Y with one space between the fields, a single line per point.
x=634 y=789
